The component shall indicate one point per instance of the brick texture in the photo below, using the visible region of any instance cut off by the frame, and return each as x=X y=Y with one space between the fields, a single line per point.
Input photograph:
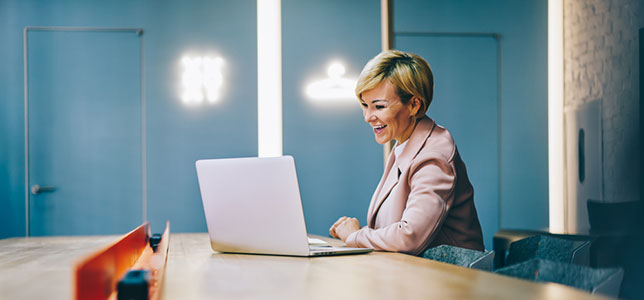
x=601 y=63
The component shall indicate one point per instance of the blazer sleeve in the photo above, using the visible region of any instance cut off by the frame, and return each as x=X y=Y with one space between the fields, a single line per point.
x=431 y=183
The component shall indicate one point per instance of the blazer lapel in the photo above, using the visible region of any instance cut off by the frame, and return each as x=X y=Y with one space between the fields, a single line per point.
x=385 y=185
x=416 y=141
x=395 y=165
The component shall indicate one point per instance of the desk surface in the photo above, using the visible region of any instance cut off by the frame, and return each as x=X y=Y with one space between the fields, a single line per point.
x=33 y=268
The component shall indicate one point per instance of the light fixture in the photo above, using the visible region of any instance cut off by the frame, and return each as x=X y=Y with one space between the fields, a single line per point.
x=333 y=88
x=202 y=79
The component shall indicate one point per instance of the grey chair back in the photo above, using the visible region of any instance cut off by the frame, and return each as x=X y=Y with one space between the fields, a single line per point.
x=462 y=257
x=549 y=248
x=598 y=281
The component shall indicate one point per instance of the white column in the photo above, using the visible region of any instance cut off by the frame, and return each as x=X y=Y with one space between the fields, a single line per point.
x=556 y=150
x=269 y=78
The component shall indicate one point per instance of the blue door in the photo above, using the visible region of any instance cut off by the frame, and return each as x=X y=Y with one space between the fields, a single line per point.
x=84 y=132
x=466 y=103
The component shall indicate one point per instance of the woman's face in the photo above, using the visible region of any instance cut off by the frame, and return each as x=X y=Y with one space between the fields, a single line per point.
x=388 y=116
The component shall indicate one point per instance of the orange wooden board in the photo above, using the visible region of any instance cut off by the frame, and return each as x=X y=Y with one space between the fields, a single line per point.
x=97 y=275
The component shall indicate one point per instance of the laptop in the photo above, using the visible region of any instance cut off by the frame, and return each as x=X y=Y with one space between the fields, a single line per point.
x=252 y=205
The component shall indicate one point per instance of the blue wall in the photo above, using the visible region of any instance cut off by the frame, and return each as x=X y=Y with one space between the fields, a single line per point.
x=338 y=160
x=339 y=163
x=470 y=114
x=524 y=111
x=177 y=135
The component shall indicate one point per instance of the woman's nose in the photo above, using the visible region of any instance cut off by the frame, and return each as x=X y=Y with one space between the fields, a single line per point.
x=368 y=115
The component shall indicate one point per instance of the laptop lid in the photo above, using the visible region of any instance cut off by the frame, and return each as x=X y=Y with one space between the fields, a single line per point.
x=253 y=205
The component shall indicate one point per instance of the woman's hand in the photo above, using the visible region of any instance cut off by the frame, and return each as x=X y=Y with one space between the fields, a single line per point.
x=343 y=227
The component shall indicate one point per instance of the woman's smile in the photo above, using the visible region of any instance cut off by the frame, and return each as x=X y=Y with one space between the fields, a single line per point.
x=379 y=129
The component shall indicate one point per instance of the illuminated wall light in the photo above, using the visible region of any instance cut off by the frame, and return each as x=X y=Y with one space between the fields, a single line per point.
x=202 y=79
x=333 y=88
x=556 y=153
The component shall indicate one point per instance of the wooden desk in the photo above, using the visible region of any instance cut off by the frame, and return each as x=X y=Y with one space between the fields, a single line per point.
x=41 y=267
x=33 y=268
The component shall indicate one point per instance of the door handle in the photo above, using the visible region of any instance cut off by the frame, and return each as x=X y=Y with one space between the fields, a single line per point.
x=37 y=189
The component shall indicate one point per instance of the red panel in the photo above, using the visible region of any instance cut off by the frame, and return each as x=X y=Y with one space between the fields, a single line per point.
x=98 y=274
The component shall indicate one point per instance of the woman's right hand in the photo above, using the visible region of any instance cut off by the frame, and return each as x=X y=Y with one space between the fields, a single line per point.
x=344 y=227
x=335 y=225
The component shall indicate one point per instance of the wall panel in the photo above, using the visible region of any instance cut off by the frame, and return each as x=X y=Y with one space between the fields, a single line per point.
x=177 y=134
x=522 y=26
x=338 y=161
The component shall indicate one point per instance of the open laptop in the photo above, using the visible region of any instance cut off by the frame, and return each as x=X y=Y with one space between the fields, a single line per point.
x=253 y=205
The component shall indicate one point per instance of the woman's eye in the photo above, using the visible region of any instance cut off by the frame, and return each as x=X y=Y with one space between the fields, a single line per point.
x=380 y=106
x=363 y=104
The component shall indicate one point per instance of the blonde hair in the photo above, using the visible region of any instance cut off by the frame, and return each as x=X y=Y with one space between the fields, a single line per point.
x=409 y=72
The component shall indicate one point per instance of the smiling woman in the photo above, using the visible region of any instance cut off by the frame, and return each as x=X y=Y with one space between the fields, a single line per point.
x=424 y=198
x=389 y=117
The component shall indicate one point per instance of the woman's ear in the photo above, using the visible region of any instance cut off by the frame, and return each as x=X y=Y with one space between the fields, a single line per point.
x=414 y=105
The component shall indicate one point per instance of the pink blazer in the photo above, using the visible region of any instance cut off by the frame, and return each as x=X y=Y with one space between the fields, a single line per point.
x=424 y=198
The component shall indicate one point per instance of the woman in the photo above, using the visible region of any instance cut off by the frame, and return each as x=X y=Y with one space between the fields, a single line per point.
x=424 y=198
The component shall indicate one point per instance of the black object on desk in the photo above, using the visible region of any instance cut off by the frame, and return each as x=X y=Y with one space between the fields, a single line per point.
x=155 y=240
x=134 y=285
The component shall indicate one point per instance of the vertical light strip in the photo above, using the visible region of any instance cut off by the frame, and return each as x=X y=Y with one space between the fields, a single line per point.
x=144 y=151
x=386 y=26
x=269 y=78
x=26 y=87
x=556 y=154
x=387 y=43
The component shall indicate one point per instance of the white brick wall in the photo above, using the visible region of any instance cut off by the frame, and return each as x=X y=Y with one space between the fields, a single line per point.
x=601 y=63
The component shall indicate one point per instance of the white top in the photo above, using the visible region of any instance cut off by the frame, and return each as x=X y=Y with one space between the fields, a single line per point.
x=399 y=148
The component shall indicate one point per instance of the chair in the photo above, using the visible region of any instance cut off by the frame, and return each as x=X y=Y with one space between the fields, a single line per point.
x=462 y=257
x=597 y=281
x=618 y=228
x=550 y=248
x=505 y=237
